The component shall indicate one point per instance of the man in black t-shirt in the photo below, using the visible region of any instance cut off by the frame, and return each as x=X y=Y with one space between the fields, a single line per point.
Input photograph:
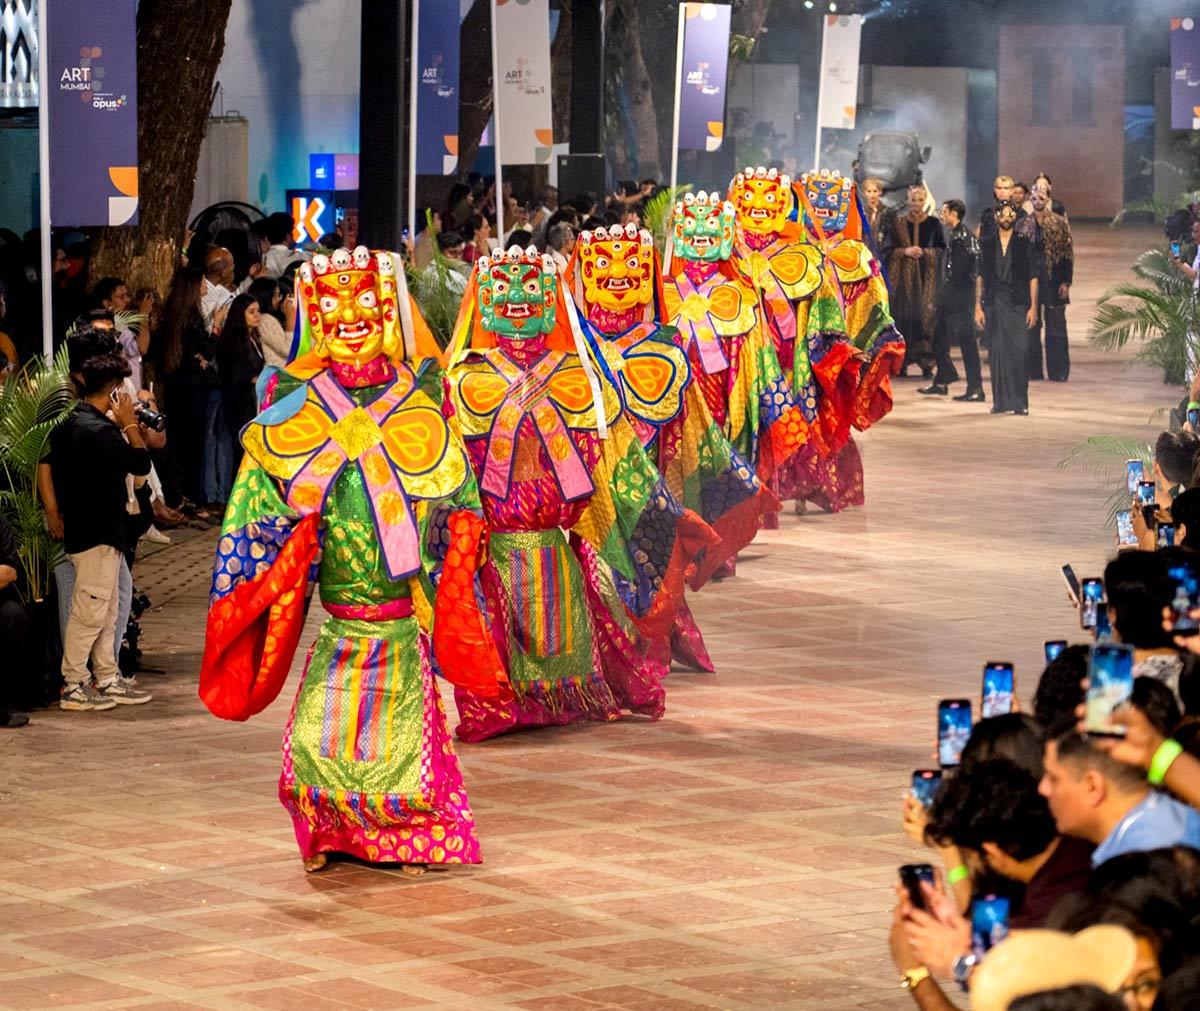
x=89 y=460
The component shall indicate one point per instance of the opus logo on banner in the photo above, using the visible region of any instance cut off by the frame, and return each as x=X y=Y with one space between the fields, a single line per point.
x=705 y=66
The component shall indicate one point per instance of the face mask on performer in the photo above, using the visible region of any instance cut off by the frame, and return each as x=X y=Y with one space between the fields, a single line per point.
x=517 y=294
x=703 y=227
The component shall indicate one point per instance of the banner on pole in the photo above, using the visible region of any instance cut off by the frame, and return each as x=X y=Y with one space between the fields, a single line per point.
x=839 y=71
x=705 y=65
x=437 y=88
x=522 y=85
x=91 y=96
x=1185 y=74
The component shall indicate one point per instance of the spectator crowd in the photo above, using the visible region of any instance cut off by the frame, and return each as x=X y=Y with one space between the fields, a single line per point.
x=1080 y=838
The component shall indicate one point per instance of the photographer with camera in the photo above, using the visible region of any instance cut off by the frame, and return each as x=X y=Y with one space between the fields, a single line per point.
x=91 y=454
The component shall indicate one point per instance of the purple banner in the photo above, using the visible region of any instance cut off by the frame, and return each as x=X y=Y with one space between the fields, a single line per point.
x=91 y=88
x=1185 y=74
x=702 y=90
x=437 y=88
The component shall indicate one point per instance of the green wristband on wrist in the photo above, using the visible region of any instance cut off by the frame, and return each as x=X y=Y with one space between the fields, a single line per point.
x=1167 y=752
x=1193 y=405
x=957 y=874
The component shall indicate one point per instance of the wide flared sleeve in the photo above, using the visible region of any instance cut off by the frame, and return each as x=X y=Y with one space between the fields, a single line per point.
x=641 y=532
x=260 y=580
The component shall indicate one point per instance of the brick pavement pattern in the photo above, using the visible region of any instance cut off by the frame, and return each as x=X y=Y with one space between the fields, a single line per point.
x=739 y=853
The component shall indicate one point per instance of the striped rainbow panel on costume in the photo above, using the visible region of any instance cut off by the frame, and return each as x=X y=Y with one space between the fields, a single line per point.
x=542 y=600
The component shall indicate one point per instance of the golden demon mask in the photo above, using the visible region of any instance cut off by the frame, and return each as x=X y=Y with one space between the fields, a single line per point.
x=703 y=227
x=617 y=266
x=349 y=304
x=762 y=198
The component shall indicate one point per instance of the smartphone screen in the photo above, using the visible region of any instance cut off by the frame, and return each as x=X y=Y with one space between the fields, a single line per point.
x=1125 y=535
x=1053 y=647
x=989 y=923
x=1145 y=492
x=1134 y=472
x=1187 y=598
x=1089 y=602
x=911 y=876
x=925 y=783
x=1193 y=418
x=1166 y=535
x=1072 y=581
x=1110 y=683
x=1103 y=626
x=997 y=689
x=954 y=730
x=1175 y=249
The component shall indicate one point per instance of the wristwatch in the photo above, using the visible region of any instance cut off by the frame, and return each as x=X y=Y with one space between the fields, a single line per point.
x=910 y=979
x=962 y=969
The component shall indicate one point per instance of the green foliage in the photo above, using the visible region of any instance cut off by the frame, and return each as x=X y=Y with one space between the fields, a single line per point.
x=33 y=402
x=656 y=213
x=1161 y=314
x=1105 y=456
x=437 y=294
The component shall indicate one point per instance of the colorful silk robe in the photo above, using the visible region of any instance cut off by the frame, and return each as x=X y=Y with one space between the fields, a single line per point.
x=733 y=361
x=561 y=605
x=835 y=222
x=365 y=468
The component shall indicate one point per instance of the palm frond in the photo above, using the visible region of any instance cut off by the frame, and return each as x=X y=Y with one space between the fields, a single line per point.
x=437 y=294
x=33 y=402
x=656 y=213
x=1105 y=456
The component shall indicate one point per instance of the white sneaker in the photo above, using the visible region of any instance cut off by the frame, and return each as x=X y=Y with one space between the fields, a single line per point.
x=85 y=697
x=156 y=536
x=125 y=692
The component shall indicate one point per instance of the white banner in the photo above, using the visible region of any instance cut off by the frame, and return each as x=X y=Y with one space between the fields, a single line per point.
x=522 y=85
x=839 y=71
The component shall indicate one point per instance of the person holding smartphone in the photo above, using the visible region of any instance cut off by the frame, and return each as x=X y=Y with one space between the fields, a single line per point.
x=1192 y=273
x=91 y=452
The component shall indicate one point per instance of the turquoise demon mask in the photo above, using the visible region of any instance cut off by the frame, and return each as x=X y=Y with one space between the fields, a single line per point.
x=704 y=227
x=517 y=292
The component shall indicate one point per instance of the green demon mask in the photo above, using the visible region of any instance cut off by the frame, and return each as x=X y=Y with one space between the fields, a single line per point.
x=517 y=292
x=704 y=227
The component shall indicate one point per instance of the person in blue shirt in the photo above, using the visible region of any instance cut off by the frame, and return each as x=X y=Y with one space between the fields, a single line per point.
x=1110 y=804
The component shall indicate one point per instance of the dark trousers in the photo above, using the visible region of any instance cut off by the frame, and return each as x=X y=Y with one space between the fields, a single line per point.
x=1058 y=354
x=956 y=326
x=14 y=633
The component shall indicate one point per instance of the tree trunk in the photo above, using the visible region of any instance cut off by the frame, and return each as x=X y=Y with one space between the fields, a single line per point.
x=179 y=47
x=560 y=76
x=475 y=83
x=640 y=92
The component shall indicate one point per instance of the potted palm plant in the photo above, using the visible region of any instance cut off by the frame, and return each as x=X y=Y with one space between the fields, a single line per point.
x=33 y=402
x=1159 y=310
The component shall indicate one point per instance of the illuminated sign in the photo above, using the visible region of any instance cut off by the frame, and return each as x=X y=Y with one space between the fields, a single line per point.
x=313 y=212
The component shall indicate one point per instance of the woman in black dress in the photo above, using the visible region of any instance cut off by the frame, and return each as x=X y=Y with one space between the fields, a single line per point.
x=239 y=361
x=1008 y=309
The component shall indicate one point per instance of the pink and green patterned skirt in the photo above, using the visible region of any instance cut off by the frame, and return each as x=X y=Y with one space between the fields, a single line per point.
x=368 y=765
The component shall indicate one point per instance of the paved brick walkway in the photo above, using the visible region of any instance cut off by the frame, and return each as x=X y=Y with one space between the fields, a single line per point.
x=737 y=854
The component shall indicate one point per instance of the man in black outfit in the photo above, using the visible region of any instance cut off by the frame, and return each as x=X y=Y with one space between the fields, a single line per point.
x=89 y=461
x=14 y=624
x=956 y=304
